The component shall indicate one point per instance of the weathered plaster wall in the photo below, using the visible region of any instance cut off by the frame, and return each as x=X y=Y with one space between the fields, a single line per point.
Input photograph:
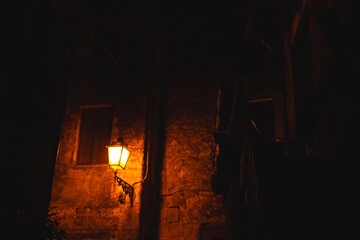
x=187 y=198
x=86 y=197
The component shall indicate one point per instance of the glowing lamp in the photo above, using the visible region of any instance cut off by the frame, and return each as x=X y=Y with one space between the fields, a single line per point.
x=118 y=155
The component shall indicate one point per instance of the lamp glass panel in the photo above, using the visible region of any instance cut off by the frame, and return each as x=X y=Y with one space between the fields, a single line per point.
x=124 y=157
x=114 y=155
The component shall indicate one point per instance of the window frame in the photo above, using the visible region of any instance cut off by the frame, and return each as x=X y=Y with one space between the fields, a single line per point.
x=76 y=150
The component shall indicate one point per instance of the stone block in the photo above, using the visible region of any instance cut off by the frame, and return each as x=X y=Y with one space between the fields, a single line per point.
x=191 y=230
x=171 y=230
x=173 y=214
x=177 y=201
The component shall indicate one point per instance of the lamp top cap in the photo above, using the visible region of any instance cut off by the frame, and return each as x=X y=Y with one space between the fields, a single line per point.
x=119 y=143
x=120 y=140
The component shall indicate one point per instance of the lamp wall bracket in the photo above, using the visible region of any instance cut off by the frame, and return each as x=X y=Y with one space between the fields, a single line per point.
x=127 y=189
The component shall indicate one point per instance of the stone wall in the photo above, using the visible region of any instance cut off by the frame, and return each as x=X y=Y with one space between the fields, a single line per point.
x=187 y=198
x=86 y=197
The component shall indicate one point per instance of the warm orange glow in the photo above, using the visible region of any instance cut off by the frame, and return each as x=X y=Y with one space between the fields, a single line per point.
x=118 y=156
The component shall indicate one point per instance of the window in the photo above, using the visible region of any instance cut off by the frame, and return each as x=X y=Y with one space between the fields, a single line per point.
x=95 y=131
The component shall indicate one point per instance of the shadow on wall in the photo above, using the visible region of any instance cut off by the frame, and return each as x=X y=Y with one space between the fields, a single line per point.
x=212 y=231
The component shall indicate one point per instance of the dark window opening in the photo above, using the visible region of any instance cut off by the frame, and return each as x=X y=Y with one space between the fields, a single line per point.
x=95 y=131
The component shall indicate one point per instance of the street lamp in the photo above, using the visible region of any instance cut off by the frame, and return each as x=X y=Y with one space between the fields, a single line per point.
x=118 y=157
x=118 y=154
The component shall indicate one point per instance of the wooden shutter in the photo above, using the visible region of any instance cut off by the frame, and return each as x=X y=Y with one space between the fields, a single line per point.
x=95 y=130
